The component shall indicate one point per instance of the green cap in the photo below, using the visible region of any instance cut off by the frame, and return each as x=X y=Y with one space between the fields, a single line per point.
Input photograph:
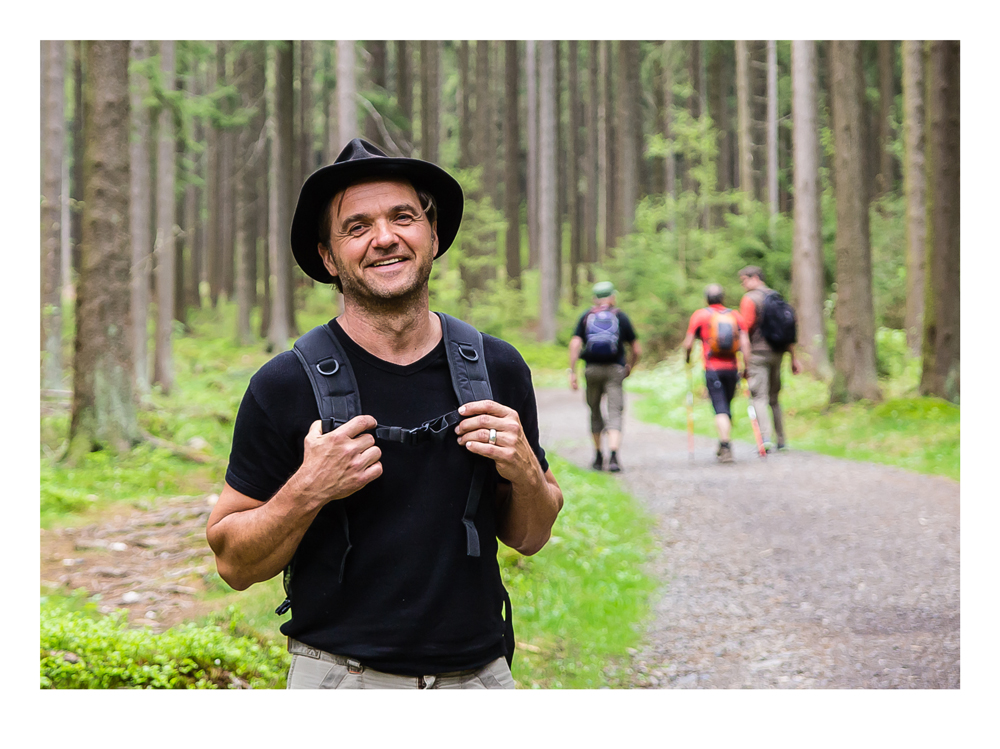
x=603 y=289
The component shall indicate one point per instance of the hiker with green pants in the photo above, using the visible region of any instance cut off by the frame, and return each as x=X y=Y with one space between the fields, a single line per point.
x=605 y=339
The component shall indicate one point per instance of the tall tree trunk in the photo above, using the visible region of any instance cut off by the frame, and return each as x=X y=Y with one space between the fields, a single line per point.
x=612 y=189
x=531 y=73
x=465 y=158
x=590 y=172
x=307 y=71
x=246 y=220
x=628 y=103
x=916 y=190
x=181 y=243
x=226 y=214
x=575 y=150
x=404 y=93
x=347 y=108
x=195 y=193
x=429 y=100
x=512 y=156
x=854 y=355
x=104 y=409
x=53 y=58
x=281 y=179
x=744 y=138
x=213 y=147
x=164 y=249
x=772 y=130
x=76 y=185
x=884 y=180
x=485 y=152
x=670 y=177
x=377 y=79
x=940 y=374
x=548 y=224
x=807 y=248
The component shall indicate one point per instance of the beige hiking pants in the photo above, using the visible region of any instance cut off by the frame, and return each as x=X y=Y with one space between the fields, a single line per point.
x=764 y=378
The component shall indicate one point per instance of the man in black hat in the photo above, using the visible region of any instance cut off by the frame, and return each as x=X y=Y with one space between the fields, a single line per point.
x=385 y=588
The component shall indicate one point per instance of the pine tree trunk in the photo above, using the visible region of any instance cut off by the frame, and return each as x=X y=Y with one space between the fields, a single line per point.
x=213 y=147
x=670 y=177
x=307 y=68
x=612 y=188
x=484 y=156
x=465 y=158
x=531 y=73
x=590 y=172
x=743 y=118
x=916 y=190
x=772 y=129
x=941 y=369
x=807 y=250
x=719 y=112
x=104 y=410
x=854 y=355
x=180 y=230
x=164 y=248
x=140 y=217
x=575 y=149
x=76 y=185
x=404 y=93
x=548 y=224
x=377 y=80
x=884 y=180
x=512 y=156
x=603 y=178
x=429 y=101
x=281 y=180
x=246 y=219
x=347 y=108
x=628 y=102
x=53 y=57
x=226 y=213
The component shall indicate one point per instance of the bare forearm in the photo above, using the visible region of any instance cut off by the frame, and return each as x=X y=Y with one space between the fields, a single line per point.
x=528 y=514
x=255 y=544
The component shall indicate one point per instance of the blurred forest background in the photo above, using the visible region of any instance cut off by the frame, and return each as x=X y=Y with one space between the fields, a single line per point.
x=170 y=170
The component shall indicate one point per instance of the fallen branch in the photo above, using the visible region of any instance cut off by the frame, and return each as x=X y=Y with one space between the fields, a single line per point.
x=178 y=450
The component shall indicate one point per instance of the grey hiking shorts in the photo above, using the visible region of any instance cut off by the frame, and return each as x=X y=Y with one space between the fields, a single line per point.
x=605 y=380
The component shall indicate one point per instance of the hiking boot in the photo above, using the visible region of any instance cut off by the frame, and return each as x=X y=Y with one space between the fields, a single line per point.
x=718 y=450
x=725 y=453
x=598 y=464
x=782 y=447
x=613 y=463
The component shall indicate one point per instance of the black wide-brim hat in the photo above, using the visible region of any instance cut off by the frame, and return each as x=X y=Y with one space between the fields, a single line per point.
x=360 y=160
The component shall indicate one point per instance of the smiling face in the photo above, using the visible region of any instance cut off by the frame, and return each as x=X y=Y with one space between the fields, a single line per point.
x=382 y=245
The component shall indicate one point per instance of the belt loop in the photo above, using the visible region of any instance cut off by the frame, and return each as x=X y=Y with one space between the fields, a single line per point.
x=354 y=667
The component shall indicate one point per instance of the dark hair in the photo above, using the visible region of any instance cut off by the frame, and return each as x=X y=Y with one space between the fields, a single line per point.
x=714 y=293
x=427 y=204
x=754 y=271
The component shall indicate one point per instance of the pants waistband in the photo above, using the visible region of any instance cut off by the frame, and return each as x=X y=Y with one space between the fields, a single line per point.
x=355 y=666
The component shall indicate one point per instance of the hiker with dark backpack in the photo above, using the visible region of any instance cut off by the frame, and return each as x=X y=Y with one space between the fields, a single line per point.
x=606 y=341
x=722 y=336
x=378 y=462
x=770 y=323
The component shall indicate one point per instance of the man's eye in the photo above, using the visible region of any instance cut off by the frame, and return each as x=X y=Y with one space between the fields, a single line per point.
x=404 y=218
x=356 y=229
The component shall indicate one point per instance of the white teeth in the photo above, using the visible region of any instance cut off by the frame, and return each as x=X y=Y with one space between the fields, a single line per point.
x=387 y=262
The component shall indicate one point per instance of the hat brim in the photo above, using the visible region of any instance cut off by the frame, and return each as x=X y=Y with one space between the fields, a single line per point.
x=323 y=184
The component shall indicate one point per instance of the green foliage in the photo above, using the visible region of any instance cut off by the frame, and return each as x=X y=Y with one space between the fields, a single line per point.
x=581 y=601
x=80 y=650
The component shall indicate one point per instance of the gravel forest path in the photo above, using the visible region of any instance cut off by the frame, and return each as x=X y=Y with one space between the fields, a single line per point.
x=796 y=571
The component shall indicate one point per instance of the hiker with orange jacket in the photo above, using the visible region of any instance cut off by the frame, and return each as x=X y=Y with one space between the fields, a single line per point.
x=722 y=335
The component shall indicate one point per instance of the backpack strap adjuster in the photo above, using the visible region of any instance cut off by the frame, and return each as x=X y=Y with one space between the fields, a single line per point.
x=328 y=367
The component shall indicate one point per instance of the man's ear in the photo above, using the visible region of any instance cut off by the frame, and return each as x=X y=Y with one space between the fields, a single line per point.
x=327 y=258
x=434 y=238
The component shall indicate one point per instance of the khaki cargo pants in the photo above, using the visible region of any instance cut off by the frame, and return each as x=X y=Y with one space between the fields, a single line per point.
x=605 y=380
x=764 y=378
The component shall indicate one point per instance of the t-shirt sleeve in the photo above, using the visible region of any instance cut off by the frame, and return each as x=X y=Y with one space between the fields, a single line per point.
x=627 y=331
x=748 y=311
x=694 y=325
x=266 y=450
x=580 y=331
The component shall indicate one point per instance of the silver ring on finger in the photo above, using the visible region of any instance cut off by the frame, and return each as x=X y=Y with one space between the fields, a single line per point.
x=493 y=436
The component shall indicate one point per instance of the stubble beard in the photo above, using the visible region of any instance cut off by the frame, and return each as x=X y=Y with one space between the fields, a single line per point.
x=378 y=301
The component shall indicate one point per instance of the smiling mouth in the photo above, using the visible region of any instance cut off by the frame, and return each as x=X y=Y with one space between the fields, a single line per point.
x=384 y=263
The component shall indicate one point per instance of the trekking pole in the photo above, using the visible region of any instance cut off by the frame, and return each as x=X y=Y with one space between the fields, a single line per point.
x=752 y=413
x=690 y=410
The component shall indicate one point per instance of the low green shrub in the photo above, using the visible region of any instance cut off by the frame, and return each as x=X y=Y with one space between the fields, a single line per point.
x=83 y=650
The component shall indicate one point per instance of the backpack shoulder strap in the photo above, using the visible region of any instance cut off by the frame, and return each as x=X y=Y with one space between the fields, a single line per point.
x=330 y=374
x=467 y=363
x=466 y=360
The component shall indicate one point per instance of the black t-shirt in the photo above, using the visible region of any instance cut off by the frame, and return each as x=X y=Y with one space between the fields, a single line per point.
x=626 y=334
x=411 y=600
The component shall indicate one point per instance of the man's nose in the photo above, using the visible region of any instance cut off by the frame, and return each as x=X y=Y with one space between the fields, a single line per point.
x=385 y=235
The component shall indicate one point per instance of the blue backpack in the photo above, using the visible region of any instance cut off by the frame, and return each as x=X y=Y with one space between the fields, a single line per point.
x=602 y=333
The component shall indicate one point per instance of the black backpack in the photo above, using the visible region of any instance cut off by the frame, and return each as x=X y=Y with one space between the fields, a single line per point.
x=336 y=390
x=777 y=321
